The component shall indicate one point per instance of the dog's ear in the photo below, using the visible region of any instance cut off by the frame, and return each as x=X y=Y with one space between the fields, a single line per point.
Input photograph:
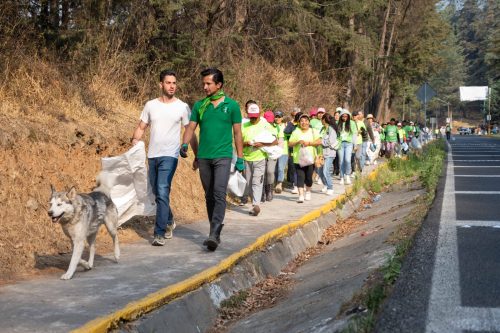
x=71 y=194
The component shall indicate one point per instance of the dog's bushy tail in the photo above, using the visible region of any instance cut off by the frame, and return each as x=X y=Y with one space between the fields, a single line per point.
x=105 y=182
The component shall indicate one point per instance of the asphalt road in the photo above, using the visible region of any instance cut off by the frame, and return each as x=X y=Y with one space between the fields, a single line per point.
x=450 y=281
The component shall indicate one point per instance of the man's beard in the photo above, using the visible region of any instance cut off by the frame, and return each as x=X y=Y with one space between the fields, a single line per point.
x=168 y=95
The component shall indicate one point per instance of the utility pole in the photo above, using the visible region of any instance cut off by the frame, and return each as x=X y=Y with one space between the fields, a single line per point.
x=489 y=111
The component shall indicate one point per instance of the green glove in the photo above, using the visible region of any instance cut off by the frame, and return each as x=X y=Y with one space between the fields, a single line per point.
x=184 y=150
x=240 y=164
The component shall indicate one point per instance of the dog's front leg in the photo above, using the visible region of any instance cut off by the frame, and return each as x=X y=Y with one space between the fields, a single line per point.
x=75 y=259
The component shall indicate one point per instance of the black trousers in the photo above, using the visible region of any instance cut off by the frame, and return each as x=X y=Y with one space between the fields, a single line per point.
x=304 y=175
x=214 y=175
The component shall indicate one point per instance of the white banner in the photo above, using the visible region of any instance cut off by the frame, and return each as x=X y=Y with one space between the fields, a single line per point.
x=468 y=94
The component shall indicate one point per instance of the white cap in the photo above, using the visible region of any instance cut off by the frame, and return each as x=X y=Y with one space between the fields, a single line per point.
x=253 y=111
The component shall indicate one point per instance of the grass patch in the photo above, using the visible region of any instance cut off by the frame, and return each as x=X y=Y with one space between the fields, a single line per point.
x=426 y=167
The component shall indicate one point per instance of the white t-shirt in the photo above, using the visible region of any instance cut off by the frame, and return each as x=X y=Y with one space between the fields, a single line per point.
x=165 y=121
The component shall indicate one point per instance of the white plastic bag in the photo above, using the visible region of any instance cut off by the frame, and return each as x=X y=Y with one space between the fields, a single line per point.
x=273 y=152
x=236 y=184
x=131 y=193
x=306 y=157
x=415 y=143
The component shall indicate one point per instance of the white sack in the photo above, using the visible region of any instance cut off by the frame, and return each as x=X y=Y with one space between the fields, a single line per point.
x=415 y=143
x=236 y=184
x=131 y=194
x=264 y=137
x=273 y=152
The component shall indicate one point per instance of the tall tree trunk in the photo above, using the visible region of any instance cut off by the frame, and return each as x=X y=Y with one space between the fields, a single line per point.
x=351 y=83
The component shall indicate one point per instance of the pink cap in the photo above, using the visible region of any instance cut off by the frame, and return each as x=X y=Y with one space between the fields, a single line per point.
x=321 y=110
x=269 y=116
x=313 y=112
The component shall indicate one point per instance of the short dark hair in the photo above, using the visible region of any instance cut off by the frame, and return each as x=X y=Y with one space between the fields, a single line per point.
x=217 y=75
x=250 y=101
x=167 y=72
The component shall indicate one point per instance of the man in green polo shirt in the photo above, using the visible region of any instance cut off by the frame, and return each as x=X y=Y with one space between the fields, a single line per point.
x=219 y=118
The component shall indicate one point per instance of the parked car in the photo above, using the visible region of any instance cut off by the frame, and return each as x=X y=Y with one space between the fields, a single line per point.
x=464 y=131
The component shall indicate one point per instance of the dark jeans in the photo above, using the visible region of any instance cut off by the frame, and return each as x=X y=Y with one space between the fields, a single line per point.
x=161 y=173
x=214 y=175
x=304 y=175
x=291 y=174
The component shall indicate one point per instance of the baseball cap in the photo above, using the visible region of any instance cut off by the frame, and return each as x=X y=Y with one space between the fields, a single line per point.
x=278 y=114
x=399 y=124
x=269 y=116
x=321 y=110
x=304 y=115
x=338 y=109
x=313 y=112
x=253 y=111
x=369 y=116
x=345 y=111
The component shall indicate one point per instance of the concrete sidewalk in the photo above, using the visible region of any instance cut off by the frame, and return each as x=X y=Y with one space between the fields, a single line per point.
x=147 y=275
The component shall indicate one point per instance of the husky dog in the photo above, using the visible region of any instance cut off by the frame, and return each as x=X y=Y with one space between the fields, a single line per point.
x=81 y=215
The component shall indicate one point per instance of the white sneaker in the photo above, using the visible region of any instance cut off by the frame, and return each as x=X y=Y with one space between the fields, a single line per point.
x=301 y=199
x=308 y=195
x=341 y=181
x=329 y=192
x=295 y=190
x=319 y=182
x=323 y=190
x=348 y=180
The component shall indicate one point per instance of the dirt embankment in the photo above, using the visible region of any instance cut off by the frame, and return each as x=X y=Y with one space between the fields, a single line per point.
x=30 y=243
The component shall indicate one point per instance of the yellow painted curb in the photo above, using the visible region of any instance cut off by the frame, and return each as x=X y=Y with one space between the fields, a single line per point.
x=153 y=301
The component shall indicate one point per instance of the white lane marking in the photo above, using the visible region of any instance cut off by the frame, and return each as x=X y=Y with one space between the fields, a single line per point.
x=445 y=289
x=444 y=311
x=476 y=166
x=474 y=192
x=479 y=176
x=477 y=223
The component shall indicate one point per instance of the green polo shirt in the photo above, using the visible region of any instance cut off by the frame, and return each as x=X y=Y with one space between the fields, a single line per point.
x=216 y=128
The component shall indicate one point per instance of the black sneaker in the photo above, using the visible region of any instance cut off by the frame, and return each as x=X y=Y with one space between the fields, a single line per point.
x=158 y=241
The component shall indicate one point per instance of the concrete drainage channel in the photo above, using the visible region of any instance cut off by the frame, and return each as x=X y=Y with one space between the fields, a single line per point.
x=197 y=310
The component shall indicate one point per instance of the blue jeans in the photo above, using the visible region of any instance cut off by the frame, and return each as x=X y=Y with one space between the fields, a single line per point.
x=344 y=154
x=325 y=172
x=161 y=173
x=280 y=168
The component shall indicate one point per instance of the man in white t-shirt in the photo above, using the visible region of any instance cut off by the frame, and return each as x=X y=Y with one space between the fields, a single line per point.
x=164 y=115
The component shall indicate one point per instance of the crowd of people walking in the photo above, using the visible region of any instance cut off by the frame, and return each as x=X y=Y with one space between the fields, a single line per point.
x=272 y=148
